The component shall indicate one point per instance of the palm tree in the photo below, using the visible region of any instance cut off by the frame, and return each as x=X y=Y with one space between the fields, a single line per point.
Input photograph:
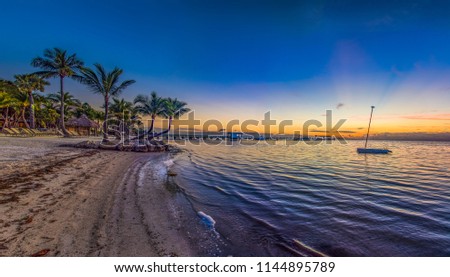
x=125 y=114
x=70 y=103
x=46 y=112
x=28 y=83
x=21 y=103
x=106 y=84
x=57 y=63
x=7 y=88
x=6 y=101
x=122 y=109
x=85 y=109
x=153 y=106
x=173 y=109
x=98 y=116
x=16 y=100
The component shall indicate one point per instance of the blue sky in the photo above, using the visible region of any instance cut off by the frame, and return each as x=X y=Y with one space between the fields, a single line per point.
x=239 y=58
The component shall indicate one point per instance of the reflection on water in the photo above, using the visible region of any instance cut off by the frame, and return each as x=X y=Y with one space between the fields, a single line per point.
x=323 y=200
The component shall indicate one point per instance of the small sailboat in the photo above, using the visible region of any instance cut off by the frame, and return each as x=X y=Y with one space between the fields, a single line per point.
x=366 y=150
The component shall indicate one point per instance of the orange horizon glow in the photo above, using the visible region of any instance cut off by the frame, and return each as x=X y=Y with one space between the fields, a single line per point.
x=352 y=128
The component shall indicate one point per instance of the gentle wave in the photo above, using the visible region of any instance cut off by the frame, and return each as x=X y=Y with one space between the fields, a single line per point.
x=274 y=200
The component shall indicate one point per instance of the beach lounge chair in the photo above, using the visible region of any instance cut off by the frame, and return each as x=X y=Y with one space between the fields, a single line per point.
x=37 y=132
x=27 y=132
x=55 y=132
x=73 y=133
x=22 y=132
x=59 y=133
x=17 y=132
x=8 y=132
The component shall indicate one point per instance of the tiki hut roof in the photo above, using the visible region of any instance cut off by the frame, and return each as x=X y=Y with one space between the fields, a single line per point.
x=82 y=121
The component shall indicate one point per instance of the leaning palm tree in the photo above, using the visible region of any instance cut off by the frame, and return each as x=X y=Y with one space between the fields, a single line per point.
x=153 y=106
x=29 y=83
x=57 y=63
x=106 y=84
x=173 y=109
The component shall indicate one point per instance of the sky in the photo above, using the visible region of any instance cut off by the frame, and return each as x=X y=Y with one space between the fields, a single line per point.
x=240 y=59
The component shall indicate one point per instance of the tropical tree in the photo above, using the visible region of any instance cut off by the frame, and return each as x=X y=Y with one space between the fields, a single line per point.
x=173 y=109
x=58 y=63
x=126 y=115
x=122 y=109
x=105 y=83
x=7 y=86
x=70 y=103
x=21 y=103
x=98 y=116
x=6 y=101
x=47 y=114
x=85 y=109
x=15 y=102
x=29 y=83
x=151 y=106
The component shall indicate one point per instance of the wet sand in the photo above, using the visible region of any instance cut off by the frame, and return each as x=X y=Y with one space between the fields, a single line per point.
x=64 y=201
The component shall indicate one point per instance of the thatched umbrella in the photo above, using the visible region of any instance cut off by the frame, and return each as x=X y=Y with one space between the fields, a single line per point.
x=83 y=125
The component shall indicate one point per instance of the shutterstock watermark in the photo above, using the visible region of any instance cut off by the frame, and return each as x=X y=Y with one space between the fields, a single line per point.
x=191 y=130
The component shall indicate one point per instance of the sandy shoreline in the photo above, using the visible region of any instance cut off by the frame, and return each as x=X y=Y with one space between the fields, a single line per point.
x=63 y=201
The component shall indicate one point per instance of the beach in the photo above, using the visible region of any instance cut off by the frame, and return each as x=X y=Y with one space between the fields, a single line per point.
x=63 y=201
x=298 y=200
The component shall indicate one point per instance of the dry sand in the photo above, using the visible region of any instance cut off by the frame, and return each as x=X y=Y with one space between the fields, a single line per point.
x=64 y=201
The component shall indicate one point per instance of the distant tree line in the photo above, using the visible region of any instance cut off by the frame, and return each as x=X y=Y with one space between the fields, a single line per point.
x=22 y=101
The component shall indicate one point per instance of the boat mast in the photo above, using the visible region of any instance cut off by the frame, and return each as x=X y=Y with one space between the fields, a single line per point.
x=368 y=129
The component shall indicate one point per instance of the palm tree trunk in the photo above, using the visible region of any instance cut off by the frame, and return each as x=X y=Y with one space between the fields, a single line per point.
x=24 y=119
x=151 y=125
x=32 y=120
x=6 y=125
x=164 y=132
x=105 y=123
x=14 y=119
x=149 y=137
x=61 y=112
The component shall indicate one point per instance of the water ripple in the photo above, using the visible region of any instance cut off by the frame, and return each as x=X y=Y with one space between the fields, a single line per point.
x=301 y=199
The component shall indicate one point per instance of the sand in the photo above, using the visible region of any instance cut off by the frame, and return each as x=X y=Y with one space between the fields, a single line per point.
x=65 y=201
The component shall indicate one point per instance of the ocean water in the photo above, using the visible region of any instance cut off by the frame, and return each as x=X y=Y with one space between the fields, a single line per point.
x=313 y=200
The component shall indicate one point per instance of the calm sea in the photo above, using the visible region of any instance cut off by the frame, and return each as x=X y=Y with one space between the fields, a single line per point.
x=286 y=200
